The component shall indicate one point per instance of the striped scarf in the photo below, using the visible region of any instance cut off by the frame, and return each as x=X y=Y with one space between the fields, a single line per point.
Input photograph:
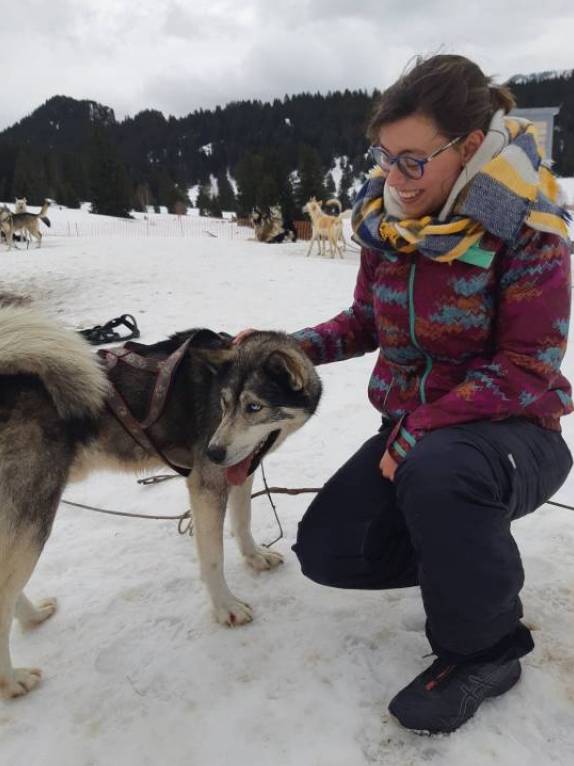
x=506 y=184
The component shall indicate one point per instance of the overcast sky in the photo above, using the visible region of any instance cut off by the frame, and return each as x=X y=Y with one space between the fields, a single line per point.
x=180 y=55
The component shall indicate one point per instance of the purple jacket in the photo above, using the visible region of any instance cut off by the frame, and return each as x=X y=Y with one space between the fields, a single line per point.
x=458 y=342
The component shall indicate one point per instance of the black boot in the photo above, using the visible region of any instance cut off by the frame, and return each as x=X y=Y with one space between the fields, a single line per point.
x=446 y=695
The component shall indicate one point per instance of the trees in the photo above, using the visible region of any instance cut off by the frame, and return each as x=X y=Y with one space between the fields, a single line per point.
x=346 y=186
x=310 y=176
x=267 y=147
x=227 y=200
x=30 y=176
x=203 y=201
x=111 y=192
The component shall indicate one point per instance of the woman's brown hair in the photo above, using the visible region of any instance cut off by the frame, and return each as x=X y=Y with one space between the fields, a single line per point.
x=452 y=90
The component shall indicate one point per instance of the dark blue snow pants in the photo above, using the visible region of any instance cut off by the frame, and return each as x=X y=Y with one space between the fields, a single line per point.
x=443 y=524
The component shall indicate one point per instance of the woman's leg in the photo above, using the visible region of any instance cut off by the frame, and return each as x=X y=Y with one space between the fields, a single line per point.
x=352 y=535
x=459 y=489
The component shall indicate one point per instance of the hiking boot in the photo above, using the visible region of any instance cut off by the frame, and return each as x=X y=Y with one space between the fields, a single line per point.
x=445 y=696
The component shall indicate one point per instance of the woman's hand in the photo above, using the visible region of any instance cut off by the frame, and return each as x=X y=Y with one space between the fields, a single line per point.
x=242 y=335
x=388 y=466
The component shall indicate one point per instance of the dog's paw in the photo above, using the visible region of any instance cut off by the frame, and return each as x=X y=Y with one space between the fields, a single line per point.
x=264 y=559
x=20 y=682
x=233 y=613
x=42 y=610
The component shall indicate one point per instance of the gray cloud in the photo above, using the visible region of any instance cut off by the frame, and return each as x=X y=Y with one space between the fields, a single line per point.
x=178 y=56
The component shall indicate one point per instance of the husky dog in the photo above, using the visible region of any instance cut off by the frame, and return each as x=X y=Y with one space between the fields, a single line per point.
x=227 y=407
x=332 y=207
x=271 y=226
x=20 y=206
x=20 y=223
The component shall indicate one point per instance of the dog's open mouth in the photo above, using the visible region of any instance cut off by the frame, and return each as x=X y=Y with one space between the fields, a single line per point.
x=236 y=474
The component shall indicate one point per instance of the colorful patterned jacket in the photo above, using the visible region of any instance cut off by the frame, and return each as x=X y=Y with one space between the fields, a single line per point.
x=458 y=342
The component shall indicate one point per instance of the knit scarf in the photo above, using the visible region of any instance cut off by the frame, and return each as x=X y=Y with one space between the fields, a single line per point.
x=506 y=184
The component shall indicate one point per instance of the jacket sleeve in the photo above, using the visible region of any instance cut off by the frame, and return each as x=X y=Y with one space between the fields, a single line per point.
x=352 y=332
x=533 y=312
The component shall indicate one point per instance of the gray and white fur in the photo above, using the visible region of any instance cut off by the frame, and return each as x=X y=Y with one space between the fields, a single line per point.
x=228 y=406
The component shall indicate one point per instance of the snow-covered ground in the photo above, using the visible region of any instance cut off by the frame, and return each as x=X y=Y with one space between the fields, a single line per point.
x=136 y=673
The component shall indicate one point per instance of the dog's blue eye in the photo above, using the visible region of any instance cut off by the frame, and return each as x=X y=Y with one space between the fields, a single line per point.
x=253 y=407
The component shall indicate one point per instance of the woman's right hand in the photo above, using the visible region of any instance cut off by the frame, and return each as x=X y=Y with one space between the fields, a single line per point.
x=242 y=335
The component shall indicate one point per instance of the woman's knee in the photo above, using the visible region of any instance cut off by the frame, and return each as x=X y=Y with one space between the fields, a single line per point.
x=446 y=470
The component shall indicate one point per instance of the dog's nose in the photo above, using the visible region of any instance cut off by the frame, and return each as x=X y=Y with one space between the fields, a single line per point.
x=217 y=454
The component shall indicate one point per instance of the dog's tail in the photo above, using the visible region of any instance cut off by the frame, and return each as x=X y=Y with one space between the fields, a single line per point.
x=34 y=345
x=46 y=220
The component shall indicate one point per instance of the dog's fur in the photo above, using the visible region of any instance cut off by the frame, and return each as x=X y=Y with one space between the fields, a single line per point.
x=20 y=205
x=20 y=223
x=326 y=228
x=271 y=226
x=228 y=405
x=334 y=207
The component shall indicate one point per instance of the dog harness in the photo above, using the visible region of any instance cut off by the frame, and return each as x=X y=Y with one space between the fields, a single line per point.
x=164 y=370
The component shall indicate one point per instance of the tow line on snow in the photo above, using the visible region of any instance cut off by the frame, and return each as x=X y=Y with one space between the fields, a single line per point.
x=184 y=520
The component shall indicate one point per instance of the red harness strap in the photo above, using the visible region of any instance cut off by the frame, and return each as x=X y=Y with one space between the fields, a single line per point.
x=164 y=370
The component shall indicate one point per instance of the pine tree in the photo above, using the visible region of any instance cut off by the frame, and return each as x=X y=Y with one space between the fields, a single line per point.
x=227 y=200
x=310 y=183
x=30 y=177
x=203 y=201
x=142 y=197
x=267 y=192
x=111 y=193
x=214 y=208
x=330 y=187
x=345 y=189
x=248 y=172
x=177 y=200
x=68 y=196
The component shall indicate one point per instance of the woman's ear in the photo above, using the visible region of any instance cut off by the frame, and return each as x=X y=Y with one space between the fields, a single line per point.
x=470 y=145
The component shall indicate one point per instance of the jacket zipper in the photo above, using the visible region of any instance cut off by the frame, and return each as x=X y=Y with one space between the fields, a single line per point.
x=388 y=392
x=428 y=359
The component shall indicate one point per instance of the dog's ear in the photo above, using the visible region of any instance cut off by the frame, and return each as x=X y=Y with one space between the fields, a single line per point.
x=215 y=359
x=288 y=365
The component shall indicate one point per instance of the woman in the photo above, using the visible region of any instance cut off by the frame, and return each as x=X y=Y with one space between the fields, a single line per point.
x=464 y=289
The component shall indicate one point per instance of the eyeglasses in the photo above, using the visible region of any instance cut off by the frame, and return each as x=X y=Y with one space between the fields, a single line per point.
x=411 y=167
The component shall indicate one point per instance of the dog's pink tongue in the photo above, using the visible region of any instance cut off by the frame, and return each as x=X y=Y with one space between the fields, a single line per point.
x=237 y=474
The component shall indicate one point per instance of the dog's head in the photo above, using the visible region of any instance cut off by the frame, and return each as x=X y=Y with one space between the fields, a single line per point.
x=275 y=213
x=312 y=206
x=20 y=205
x=256 y=217
x=269 y=390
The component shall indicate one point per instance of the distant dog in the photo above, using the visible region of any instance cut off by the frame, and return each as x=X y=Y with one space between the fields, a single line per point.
x=20 y=206
x=224 y=409
x=270 y=225
x=326 y=228
x=24 y=223
x=334 y=207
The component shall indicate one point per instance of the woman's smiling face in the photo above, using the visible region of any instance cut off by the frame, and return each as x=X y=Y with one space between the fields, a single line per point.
x=418 y=136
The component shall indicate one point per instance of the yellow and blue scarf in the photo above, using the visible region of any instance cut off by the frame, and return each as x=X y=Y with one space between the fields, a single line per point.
x=505 y=185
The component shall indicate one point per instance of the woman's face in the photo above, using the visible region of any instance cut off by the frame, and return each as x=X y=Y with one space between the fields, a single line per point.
x=418 y=136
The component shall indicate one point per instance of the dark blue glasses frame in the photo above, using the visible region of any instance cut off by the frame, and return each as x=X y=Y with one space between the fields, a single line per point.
x=411 y=167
